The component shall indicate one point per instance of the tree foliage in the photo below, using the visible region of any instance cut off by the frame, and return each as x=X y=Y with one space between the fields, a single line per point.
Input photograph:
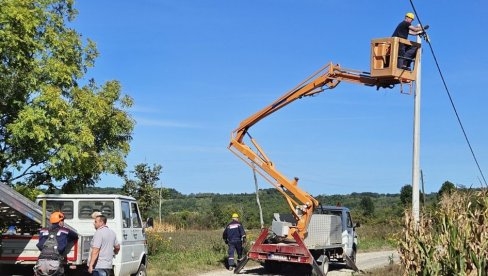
x=53 y=129
x=143 y=187
x=406 y=194
x=367 y=206
x=30 y=193
x=446 y=188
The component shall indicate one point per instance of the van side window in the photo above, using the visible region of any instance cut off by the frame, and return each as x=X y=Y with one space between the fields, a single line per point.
x=136 y=219
x=57 y=205
x=349 y=220
x=125 y=214
x=87 y=207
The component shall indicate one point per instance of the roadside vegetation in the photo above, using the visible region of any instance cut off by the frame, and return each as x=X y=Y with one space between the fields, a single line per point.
x=451 y=237
x=189 y=238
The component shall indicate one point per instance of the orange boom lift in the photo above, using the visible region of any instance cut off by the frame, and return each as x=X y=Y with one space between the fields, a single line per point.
x=384 y=74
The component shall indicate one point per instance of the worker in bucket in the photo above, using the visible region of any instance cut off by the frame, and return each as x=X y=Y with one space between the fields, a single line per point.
x=406 y=52
x=53 y=242
x=234 y=236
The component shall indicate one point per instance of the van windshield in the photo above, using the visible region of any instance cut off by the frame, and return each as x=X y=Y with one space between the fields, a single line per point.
x=87 y=207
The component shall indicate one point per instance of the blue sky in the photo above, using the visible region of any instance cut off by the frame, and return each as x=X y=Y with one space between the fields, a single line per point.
x=196 y=69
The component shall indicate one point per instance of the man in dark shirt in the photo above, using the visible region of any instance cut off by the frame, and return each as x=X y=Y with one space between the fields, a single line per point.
x=405 y=52
x=52 y=243
x=234 y=235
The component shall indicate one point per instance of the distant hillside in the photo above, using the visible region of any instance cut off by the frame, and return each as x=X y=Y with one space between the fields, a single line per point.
x=209 y=210
x=213 y=210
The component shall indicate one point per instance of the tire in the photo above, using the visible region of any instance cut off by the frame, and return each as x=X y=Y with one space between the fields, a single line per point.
x=324 y=266
x=141 y=271
x=353 y=256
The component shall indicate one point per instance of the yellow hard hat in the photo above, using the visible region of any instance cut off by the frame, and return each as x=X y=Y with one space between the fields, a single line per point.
x=410 y=15
x=235 y=215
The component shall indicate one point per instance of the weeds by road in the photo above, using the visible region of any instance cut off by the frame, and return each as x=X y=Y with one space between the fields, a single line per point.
x=191 y=252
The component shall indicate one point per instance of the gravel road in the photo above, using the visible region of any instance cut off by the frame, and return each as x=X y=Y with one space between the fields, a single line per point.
x=365 y=261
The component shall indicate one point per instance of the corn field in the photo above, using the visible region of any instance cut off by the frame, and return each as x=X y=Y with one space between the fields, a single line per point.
x=451 y=239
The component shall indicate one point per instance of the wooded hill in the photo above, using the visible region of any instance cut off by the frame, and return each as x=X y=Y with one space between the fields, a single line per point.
x=213 y=211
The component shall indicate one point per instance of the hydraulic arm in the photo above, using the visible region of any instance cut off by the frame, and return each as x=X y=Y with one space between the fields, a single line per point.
x=300 y=202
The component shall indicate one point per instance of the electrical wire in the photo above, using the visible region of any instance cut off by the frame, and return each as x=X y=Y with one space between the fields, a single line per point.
x=449 y=95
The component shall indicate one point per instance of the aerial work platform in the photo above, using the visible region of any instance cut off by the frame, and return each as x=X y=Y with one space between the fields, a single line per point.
x=384 y=59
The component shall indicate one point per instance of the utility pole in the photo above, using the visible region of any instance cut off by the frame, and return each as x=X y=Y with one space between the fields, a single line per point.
x=423 y=187
x=160 y=199
x=416 y=140
x=257 y=196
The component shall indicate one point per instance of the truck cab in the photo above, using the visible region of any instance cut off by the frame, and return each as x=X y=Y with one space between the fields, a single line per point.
x=123 y=217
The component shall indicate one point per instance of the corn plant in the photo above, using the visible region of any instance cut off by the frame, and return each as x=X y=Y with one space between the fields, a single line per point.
x=450 y=240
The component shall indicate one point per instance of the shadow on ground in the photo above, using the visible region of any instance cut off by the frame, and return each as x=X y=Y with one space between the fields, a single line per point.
x=289 y=270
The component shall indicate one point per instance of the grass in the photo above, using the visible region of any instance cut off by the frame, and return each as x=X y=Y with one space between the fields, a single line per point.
x=186 y=252
x=392 y=269
x=378 y=236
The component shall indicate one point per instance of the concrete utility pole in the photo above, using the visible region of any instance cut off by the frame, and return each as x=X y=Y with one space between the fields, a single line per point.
x=416 y=140
x=257 y=196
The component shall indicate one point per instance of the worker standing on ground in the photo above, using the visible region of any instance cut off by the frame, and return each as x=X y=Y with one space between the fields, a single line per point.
x=406 y=52
x=234 y=236
x=104 y=246
x=52 y=243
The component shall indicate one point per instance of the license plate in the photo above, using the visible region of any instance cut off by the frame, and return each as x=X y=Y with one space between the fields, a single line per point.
x=277 y=257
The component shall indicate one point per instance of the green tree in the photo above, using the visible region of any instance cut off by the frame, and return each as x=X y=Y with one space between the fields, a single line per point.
x=53 y=129
x=29 y=192
x=447 y=187
x=406 y=194
x=143 y=187
x=367 y=206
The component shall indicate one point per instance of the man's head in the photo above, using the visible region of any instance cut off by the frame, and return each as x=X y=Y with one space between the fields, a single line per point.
x=235 y=216
x=57 y=218
x=100 y=221
x=409 y=17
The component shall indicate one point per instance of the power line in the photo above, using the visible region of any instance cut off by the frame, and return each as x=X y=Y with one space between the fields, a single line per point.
x=449 y=94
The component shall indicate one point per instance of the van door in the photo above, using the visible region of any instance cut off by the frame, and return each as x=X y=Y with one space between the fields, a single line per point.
x=128 y=264
x=137 y=232
x=350 y=234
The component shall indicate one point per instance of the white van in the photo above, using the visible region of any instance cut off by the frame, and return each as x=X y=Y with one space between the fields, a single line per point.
x=123 y=217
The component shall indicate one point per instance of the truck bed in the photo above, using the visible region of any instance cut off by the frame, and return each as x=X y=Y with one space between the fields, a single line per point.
x=17 y=210
x=324 y=230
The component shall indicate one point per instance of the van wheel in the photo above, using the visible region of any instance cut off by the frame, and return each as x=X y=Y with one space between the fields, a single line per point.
x=141 y=271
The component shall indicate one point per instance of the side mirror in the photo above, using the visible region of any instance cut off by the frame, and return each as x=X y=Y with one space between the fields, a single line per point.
x=149 y=223
x=357 y=224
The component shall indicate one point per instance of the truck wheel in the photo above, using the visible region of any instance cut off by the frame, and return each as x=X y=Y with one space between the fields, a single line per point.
x=353 y=255
x=141 y=271
x=324 y=266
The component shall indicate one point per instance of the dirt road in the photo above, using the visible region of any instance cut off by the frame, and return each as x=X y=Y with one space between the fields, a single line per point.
x=365 y=261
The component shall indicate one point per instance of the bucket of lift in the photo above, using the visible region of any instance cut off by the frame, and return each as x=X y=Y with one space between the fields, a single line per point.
x=385 y=57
